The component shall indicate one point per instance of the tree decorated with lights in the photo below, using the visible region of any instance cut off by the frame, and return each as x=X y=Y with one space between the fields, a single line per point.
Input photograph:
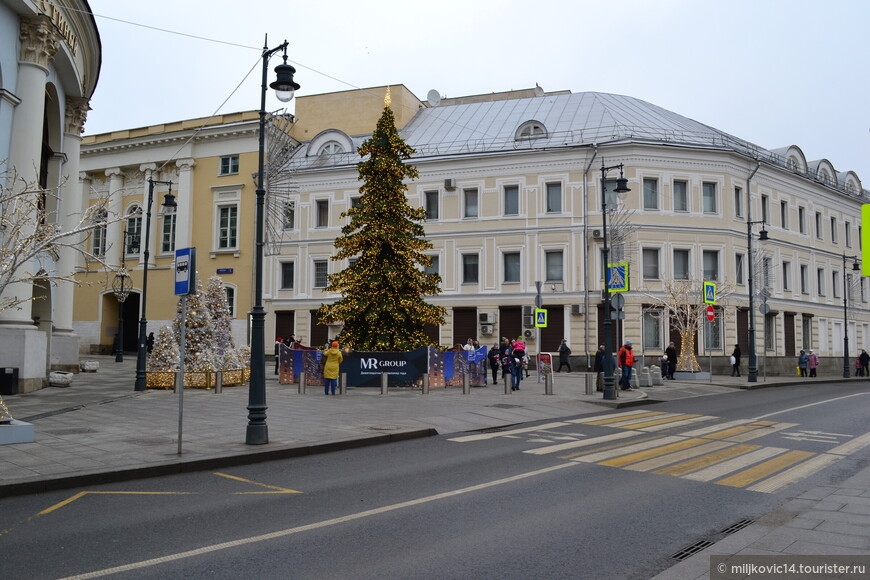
x=199 y=332
x=382 y=306
x=224 y=347
x=164 y=356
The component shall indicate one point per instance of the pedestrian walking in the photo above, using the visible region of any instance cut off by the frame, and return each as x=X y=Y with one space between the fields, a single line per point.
x=493 y=356
x=598 y=368
x=518 y=352
x=625 y=358
x=333 y=358
x=149 y=342
x=859 y=370
x=803 y=359
x=278 y=344
x=564 y=353
x=865 y=362
x=671 y=353
x=812 y=362
x=504 y=352
x=735 y=361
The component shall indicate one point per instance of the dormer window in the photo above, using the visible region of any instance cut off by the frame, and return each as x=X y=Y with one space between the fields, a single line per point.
x=531 y=130
x=331 y=148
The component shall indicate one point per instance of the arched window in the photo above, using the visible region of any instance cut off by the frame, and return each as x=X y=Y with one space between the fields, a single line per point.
x=331 y=148
x=531 y=130
x=133 y=234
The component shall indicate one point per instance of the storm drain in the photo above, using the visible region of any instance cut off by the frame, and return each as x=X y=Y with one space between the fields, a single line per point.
x=736 y=527
x=692 y=550
x=505 y=406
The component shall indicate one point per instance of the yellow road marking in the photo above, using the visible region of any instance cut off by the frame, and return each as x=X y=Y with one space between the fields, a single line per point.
x=739 y=430
x=793 y=474
x=704 y=461
x=267 y=486
x=650 y=453
x=651 y=464
x=764 y=469
x=621 y=419
x=660 y=421
x=81 y=494
x=610 y=446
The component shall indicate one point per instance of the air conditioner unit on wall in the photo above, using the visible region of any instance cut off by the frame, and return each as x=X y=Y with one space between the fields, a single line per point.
x=486 y=318
x=576 y=309
x=529 y=320
x=529 y=334
x=450 y=184
x=528 y=311
x=486 y=329
x=597 y=233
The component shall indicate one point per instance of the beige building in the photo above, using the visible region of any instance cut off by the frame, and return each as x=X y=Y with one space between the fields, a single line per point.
x=50 y=55
x=511 y=187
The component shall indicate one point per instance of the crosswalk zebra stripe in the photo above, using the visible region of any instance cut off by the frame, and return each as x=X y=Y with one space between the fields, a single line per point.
x=482 y=436
x=612 y=421
x=764 y=469
x=624 y=460
x=705 y=460
x=682 y=423
x=796 y=473
x=658 y=462
x=726 y=467
x=640 y=423
x=608 y=415
x=582 y=443
x=749 y=436
x=610 y=453
x=852 y=446
x=714 y=428
x=740 y=430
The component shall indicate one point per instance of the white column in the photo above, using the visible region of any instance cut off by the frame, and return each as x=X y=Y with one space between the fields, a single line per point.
x=184 y=199
x=115 y=229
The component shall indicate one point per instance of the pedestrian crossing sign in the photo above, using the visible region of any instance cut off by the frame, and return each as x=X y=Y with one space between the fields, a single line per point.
x=617 y=277
x=540 y=318
x=709 y=293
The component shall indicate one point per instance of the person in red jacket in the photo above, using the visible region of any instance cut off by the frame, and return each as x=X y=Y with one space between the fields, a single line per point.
x=625 y=359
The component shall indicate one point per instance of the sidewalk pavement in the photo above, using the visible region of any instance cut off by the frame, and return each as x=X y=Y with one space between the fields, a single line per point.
x=100 y=430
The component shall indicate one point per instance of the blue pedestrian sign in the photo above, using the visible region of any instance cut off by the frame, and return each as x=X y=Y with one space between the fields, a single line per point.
x=709 y=293
x=617 y=277
x=185 y=271
x=540 y=318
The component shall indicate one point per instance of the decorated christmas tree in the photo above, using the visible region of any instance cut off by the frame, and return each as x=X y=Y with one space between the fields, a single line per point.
x=382 y=305
x=199 y=331
x=226 y=356
x=164 y=356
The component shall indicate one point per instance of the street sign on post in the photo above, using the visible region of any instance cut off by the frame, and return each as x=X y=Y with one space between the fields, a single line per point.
x=185 y=271
x=617 y=277
x=709 y=293
x=711 y=313
x=540 y=318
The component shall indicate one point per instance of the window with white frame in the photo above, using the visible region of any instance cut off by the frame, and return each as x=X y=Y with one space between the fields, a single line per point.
x=786 y=276
x=713 y=331
x=434 y=266
x=835 y=284
x=738 y=202
x=820 y=281
x=288 y=275
x=681 y=196
x=321 y=273
x=470 y=203
x=430 y=204
x=231 y=300
x=167 y=233
x=835 y=238
x=847 y=234
x=98 y=239
x=681 y=264
x=765 y=209
x=228 y=226
x=770 y=332
x=229 y=165
x=783 y=214
x=653 y=329
x=711 y=265
x=511 y=200
x=651 y=264
x=553 y=260
x=470 y=268
x=511 y=267
x=289 y=221
x=610 y=196
x=331 y=148
x=355 y=201
x=739 y=260
x=767 y=273
x=554 y=197
x=802 y=220
x=708 y=194
x=650 y=193
x=531 y=130
x=133 y=233
x=321 y=218
x=805 y=279
x=819 y=225
x=807 y=331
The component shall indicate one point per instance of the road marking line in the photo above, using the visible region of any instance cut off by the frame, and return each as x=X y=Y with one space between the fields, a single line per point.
x=809 y=405
x=713 y=428
x=741 y=430
x=651 y=453
x=683 y=423
x=582 y=443
x=81 y=494
x=611 y=415
x=243 y=480
x=313 y=526
x=705 y=460
x=634 y=423
x=726 y=467
x=618 y=452
x=789 y=476
x=651 y=464
x=610 y=421
x=761 y=432
x=483 y=436
x=762 y=470
x=852 y=446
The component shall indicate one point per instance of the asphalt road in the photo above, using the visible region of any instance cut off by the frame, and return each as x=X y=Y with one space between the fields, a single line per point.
x=598 y=496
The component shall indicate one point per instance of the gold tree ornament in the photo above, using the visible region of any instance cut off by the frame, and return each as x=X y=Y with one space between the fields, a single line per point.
x=5 y=415
x=388 y=100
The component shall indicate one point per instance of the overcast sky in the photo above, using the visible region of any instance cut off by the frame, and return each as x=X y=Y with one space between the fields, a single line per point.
x=773 y=72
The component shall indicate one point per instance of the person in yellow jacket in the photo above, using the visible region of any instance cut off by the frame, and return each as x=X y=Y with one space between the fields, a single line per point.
x=330 y=369
x=625 y=359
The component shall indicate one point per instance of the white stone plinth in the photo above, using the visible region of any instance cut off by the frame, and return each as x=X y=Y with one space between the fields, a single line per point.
x=17 y=432
x=60 y=378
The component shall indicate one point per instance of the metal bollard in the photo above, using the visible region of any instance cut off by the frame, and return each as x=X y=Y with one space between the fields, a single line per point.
x=385 y=381
x=466 y=384
x=302 y=383
x=590 y=383
x=178 y=379
x=218 y=382
x=425 y=383
x=507 y=384
x=342 y=384
x=548 y=384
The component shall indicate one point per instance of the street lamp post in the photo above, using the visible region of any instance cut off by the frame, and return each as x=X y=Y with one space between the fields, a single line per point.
x=257 y=431
x=621 y=187
x=143 y=322
x=752 y=374
x=121 y=286
x=855 y=267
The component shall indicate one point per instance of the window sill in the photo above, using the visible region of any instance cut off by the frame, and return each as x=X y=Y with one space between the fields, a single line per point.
x=234 y=252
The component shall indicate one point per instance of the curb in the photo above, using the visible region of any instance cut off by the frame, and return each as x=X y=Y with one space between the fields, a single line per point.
x=181 y=466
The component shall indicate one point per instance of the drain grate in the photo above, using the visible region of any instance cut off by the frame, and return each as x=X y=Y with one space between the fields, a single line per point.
x=692 y=550
x=491 y=430
x=505 y=406
x=736 y=527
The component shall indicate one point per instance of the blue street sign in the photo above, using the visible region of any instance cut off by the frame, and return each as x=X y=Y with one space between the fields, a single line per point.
x=709 y=293
x=540 y=318
x=617 y=277
x=185 y=271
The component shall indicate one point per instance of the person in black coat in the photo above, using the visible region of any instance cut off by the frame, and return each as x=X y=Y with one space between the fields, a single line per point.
x=735 y=364
x=671 y=353
x=564 y=353
x=494 y=356
x=598 y=368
